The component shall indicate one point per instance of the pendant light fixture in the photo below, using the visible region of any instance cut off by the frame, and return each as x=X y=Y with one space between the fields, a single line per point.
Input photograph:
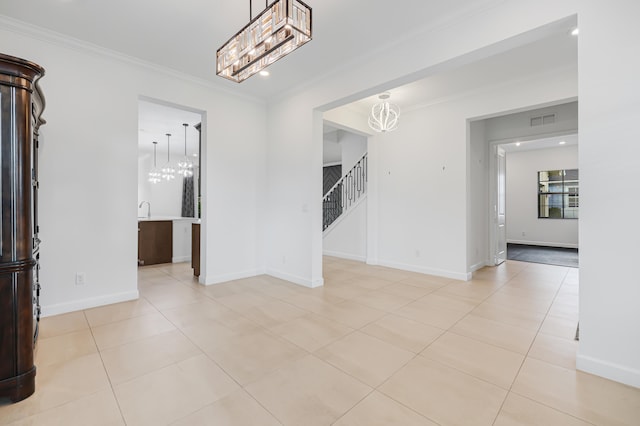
x=278 y=30
x=384 y=115
x=185 y=166
x=168 y=172
x=154 y=174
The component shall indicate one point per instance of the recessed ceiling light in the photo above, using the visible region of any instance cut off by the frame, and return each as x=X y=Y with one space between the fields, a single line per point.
x=517 y=143
x=575 y=31
x=562 y=142
x=264 y=73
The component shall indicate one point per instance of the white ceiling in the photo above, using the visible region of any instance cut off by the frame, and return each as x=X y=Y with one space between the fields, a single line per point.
x=184 y=35
x=155 y=121
x=544 y=143
x=534 y=60
x=559 y=50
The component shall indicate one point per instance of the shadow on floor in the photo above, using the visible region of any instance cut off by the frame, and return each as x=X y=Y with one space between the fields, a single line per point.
x=547 y=255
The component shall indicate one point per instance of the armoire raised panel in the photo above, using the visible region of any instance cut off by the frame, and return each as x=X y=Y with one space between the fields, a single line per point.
x=21 y=106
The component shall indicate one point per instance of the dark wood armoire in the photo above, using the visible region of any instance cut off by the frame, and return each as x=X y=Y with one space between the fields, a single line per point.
x=21 y=106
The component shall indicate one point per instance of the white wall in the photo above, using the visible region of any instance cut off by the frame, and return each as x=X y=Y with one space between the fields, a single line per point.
x=343 y=147
x=523 y=225
x=144 y=187
x=517 y=126
x=609 y=176
x=347 y=237
x=353 y=148
x=182 y=240
x=165 y=196
x=478 y=197
x=295 y=133
x=294 y=195
x=423 y=170
x=89 y=163
x=331 y=149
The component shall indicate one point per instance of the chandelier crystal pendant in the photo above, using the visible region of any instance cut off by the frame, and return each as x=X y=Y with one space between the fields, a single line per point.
x=185 y=166
x=168 y=172
x=278 y=30
x=155 y=175
x=384 y=115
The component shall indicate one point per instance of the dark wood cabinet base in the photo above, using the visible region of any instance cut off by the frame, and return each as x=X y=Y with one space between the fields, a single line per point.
x=195 y=248
x=155 y=242
x=20 y=387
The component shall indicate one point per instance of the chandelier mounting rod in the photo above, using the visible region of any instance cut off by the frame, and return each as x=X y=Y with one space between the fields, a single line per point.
x=266 y=4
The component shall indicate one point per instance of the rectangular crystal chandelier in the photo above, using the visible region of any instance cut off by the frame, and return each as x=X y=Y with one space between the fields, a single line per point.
x=277 y=31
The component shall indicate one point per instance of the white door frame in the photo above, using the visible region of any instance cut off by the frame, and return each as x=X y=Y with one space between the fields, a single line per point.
x=494 y=257
x=493 y=175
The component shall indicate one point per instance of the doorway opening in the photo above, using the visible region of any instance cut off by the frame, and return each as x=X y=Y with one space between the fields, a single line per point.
x=540 y=198
x=345 y=188
x=170 y=184
x=510 y=201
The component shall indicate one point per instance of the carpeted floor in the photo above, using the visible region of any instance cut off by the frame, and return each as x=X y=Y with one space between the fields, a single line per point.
x=539 y=254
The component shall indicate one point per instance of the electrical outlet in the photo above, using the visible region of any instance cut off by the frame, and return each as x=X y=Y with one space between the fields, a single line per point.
x=284 y=259
x=417 y=253
x=524 y=234
x=80 y=278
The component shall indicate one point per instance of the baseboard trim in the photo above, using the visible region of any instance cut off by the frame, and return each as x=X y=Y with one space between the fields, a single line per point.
x=181 y=259
x=223 y=278
x=543 y=244
x=608 y=370
x=318 y=282
x=477 y=266
x=342 y=255
x=93 y=302
x=462 y=276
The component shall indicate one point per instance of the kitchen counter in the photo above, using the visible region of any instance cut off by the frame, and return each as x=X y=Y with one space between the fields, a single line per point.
x=173 y=218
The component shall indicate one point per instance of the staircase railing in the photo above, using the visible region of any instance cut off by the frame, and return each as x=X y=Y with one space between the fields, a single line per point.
x=345 y=193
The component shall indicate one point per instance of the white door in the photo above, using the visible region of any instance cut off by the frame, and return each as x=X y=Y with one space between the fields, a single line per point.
x=500 y=214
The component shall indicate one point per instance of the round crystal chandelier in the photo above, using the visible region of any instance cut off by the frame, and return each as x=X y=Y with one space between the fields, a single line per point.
x=154 y=174
x=185 y=166
x=168 y=172
x=384 y=115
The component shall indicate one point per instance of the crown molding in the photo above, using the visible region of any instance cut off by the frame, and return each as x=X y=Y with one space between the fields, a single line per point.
x=48 y=36
x=451 y=20
x=490 y=88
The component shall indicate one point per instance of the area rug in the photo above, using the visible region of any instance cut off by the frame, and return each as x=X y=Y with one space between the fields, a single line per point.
x=547 y=255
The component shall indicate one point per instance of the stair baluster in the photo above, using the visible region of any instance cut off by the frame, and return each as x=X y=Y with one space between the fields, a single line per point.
x=345 y=193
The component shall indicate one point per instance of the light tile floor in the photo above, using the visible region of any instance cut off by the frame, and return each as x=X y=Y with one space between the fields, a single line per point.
x=374 y=346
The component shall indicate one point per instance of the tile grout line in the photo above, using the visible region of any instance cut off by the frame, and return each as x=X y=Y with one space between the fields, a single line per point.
x=386 y=313
x=373 y=389
x=104 y=368
x=376 y=388
x=546 y=362
x=227 y=373
x=515 y=377
x=176 y=328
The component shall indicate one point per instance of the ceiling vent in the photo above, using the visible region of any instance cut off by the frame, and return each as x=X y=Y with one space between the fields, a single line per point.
x=543 y=120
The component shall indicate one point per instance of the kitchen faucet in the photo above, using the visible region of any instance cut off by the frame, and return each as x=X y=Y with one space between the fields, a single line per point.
x=149 y=210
